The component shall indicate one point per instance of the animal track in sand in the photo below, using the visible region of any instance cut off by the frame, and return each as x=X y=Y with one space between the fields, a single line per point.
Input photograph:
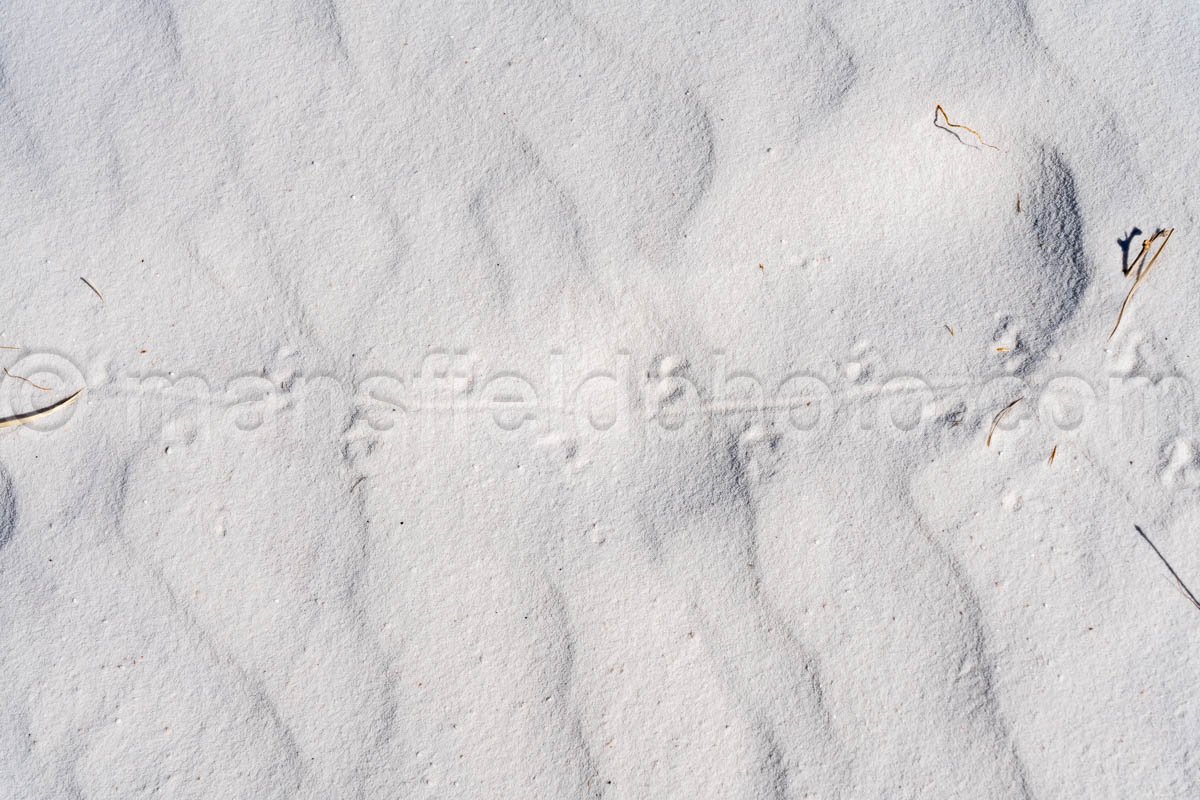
x=1180 y=468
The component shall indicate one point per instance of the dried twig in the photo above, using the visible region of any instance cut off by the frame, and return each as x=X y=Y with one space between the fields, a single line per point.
x=93 y=288
x=31 y=383
x=1141 y=256
x=1053 y=453
x=24 y=419
x=1143 y=271
x=947 y=327
x=1170 y=569
x=946 y=117
x=1000 y=416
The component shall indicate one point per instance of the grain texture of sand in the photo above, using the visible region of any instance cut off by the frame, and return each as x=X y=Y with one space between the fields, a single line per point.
x=561 y=400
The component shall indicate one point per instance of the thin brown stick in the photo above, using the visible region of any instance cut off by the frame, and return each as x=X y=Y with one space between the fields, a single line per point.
x=31 y=383
x=1135 y=267
x=1174 y=574
x=1000 y=416
x=25 y=419
x=974 y=132
x=93 y=288
x=7 y=347
x=1053 y=453
x=947 y=327
x=1143 y=272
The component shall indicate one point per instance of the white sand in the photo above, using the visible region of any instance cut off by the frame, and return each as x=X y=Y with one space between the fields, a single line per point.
x=557 y=400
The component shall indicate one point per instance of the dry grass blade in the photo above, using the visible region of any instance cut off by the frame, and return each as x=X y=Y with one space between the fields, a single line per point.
x=1000 y=416
x=1143 y=271
x=972 y=131
x=93 y=288
x=31 y=383
x=1053 y=453
x=1174 y=574
x=25 y=419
